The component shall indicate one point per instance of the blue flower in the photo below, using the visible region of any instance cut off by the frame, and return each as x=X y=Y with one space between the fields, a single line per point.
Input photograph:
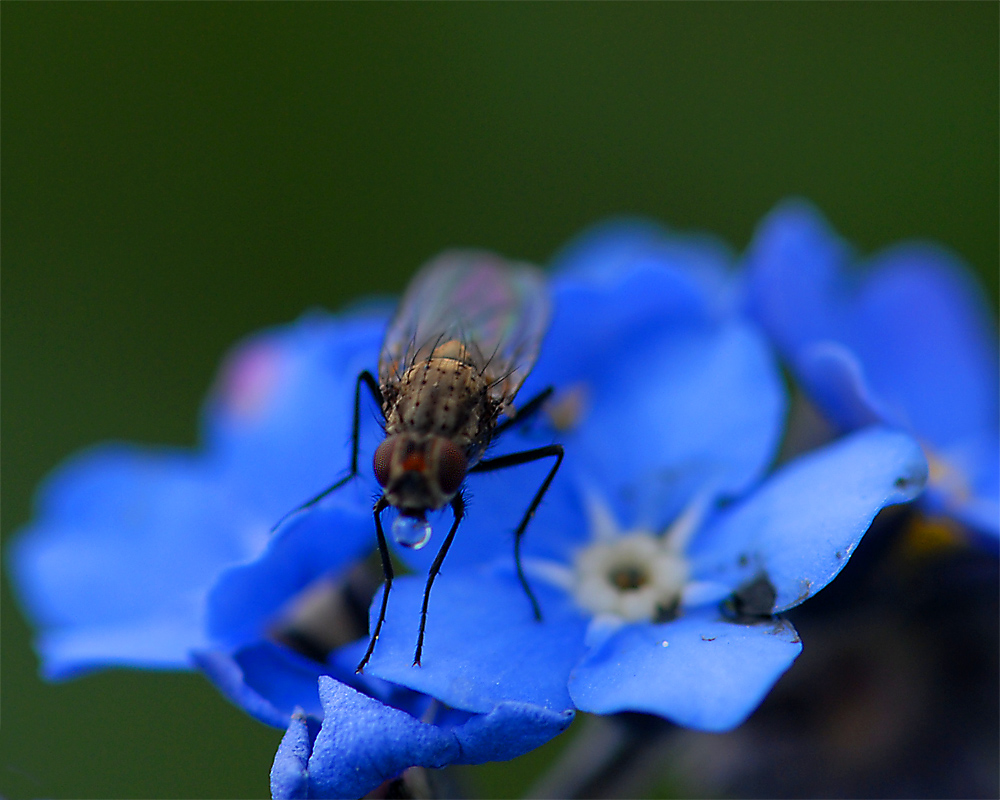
x=903 y=340
x=145 y=557
x=662 y=555
x=662 y=548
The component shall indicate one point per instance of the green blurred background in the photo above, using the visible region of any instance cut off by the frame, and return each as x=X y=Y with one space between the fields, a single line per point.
x=176 y=176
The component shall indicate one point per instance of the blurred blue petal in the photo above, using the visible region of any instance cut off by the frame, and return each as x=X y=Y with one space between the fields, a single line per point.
x=697 y=671
x=266 y=681
x=907 y=341
x=690 y=409
x=800 y=528
x=837 y=384
x=279 y=417
x=124 y=545
x=620 y=245
x=329 y=538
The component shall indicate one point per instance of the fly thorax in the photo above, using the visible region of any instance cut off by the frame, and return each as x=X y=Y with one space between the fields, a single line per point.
x=441 y=397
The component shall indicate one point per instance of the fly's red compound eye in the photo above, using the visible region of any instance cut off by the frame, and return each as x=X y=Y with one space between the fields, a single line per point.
x=451 y=466
x=383 y=461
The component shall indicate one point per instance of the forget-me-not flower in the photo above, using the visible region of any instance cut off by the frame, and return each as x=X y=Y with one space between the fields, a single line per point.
x=662 y=556
x=904 y=340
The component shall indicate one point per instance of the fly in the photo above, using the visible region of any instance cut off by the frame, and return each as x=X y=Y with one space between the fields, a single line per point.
x=463 y=339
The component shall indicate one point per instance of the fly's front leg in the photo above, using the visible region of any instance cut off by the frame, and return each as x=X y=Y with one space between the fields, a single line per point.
x=512 y=460
x=458 y=509
x=368 y=380
x=383 y=549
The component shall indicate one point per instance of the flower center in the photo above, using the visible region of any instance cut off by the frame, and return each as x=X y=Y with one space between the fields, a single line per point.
x=634 y=577
x=628 y=577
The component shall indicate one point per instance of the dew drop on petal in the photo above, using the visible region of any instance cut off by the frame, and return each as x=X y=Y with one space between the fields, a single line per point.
x=411 y=532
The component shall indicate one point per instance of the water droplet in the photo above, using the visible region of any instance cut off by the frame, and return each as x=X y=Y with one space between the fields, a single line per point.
x=412 y=532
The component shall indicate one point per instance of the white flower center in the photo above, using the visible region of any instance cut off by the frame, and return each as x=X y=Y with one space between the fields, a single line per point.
x=634 y=577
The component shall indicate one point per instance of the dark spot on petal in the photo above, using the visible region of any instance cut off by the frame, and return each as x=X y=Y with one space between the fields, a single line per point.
x=752 y=601
x=666 y=613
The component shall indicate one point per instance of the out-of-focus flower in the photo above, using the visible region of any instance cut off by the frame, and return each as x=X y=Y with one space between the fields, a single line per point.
x=118 y=564
x=659 y=558
x=904 y=340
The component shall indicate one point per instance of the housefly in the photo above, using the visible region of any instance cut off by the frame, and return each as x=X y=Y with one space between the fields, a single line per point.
x=463 y=339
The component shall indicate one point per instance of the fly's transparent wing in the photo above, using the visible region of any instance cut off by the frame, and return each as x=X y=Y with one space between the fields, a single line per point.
x=476 y=307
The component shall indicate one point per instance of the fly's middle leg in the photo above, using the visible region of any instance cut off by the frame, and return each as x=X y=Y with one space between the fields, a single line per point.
x=511 y=460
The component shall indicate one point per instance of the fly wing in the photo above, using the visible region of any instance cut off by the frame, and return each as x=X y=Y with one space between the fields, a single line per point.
x=475 y=306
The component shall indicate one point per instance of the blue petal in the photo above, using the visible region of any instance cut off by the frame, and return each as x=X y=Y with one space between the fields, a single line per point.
x=969 y=488
x=510 y=730
x=363 y=743
x=150 y=642
x=123 y=549
x=269 y=681
x=290 y=771
x=620 y=245
x=837 y=383
x=596 y=320
x=921 y=327
x=483 y=645
x=266 y=681
x=669 y=417
x=792 y=265
x=697 y=671
x=924 y=343
x=279 y=418
x=326 y=539
x=802 y=525
x=686 y=411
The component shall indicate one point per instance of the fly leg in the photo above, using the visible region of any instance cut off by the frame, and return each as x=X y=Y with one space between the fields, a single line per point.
x=526 y=411
x=458 y=509
x=383 y=550
x=512 y=460
x=368 y=380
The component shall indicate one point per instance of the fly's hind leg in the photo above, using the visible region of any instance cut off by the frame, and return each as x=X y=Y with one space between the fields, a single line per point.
x=366 y=378
x=512 y=460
